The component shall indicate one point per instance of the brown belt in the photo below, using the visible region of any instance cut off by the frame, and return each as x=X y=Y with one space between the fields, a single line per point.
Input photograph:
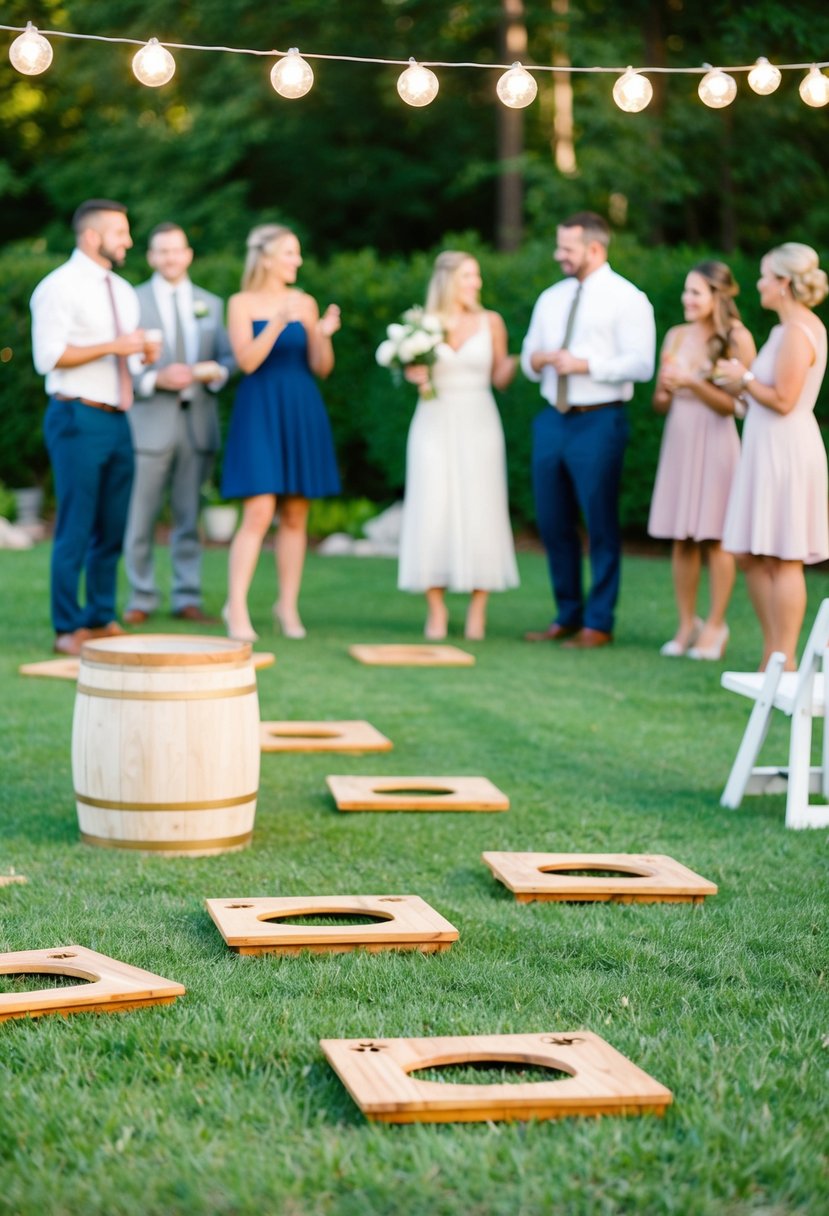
x=96 y=405
x=587 y=409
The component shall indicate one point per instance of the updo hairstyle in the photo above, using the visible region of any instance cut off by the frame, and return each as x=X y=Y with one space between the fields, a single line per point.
x=800 y=265
x=260 y=241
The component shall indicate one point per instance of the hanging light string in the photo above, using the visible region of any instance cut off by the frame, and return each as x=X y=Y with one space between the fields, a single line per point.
x=292 y=76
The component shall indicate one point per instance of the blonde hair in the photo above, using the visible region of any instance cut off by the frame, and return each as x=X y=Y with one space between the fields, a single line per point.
x=800 y=265
x=260 y=240
x=725 y=313
x=442 y=289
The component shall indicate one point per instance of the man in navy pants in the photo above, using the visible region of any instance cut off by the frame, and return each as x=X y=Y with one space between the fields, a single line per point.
x=591 y=336
x=84 y=325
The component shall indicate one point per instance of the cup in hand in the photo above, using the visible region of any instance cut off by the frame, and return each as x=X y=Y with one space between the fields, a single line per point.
x=153 y=339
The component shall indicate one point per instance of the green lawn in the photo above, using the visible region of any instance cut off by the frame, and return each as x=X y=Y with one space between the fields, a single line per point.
x=223 y=1103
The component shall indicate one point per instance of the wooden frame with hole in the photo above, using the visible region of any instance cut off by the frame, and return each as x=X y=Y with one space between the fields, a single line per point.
x=111 y=986
x=377 y=1074
x=343 y=736
x=403 y=655
x=408 y=923
x=653 y=877
x=413 y=794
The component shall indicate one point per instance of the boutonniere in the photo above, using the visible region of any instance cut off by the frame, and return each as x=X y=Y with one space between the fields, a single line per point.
x=200 y=309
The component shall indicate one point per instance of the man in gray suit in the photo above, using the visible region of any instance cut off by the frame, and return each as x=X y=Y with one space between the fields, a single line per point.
x=175 y=425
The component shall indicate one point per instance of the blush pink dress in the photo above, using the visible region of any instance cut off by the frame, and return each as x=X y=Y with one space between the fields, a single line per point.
x=697 y=461
x=778 y=505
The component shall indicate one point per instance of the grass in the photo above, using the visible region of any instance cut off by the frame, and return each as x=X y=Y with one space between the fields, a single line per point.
x=223 y=1103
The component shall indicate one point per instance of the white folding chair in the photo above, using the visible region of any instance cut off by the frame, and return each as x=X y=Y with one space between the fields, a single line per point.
x=800 y=695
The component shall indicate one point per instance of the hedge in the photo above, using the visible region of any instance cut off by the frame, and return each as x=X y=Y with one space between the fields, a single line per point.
x=369 y=414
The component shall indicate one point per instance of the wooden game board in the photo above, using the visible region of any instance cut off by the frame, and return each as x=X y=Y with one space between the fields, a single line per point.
x=68 y=668
x=412 y=656
x=346 y=736
x=645 y=877
x=377 y=1074
x=112 y=986
x=407 y=923
x=412 y=794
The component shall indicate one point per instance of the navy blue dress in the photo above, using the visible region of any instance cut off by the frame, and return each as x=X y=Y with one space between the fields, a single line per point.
x=279 y=440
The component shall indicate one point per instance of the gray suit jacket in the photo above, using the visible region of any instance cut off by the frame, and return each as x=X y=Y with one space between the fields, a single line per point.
x=153 y=419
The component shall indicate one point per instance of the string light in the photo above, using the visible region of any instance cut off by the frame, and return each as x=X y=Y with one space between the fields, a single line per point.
x=814 y=88
x=292 y=76
x=632 y=91
x=153 y=65
x=717 y=89
x=417 y=85
x=517 y=87
x=31 y=54
x=764 y=77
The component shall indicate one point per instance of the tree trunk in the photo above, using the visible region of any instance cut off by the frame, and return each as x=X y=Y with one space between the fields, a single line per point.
x=510 y=200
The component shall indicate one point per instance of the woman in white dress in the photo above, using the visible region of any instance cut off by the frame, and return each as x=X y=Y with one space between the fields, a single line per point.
x=456 y=532
x=777 y=517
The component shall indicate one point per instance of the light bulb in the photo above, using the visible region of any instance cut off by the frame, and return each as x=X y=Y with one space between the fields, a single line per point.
x=31 y=54
x=764 y=77
x=517 y=88
x=291 y=76
x=717 y=89
x=417 y=85
x=632 y=91
x=814 y=88
x=153 y=65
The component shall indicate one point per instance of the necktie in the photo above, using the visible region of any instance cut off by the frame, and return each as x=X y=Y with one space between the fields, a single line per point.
x=179 y=348
x=561 y=387
x=124 y=378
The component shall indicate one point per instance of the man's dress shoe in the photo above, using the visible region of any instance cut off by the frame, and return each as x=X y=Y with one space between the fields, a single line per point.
x=588 y=639
x=70 y=643
x=192 y=612
x=136 y=616
x=553 y=633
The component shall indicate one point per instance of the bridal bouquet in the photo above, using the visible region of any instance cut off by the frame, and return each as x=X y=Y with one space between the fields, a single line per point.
x=412 y=340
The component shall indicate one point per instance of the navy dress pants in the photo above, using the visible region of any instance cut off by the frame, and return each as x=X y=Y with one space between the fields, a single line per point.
x=92 y=463
x=577 y=470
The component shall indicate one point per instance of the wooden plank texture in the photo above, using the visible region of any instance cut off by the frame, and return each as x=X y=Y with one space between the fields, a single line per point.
x=355 y=793
x=378 y=1075
x=109 y=985
x=342 y=736
x=645 y=877
x=405 y=922
x=400 y=655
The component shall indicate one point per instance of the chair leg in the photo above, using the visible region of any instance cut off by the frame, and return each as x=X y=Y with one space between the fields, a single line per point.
x=754 y=735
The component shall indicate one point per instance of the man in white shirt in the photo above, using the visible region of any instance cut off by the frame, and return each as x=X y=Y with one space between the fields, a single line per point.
x=175 y=425
x=591 y=336
x=84 y=326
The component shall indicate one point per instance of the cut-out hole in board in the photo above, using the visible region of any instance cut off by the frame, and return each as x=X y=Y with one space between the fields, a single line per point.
x=490 y=1072
x=591 y=872
x=412 y=791
x=303 y=734
x=38 y=981
x=311 y=919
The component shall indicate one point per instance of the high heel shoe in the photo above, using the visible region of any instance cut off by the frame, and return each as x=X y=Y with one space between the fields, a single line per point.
x=241 y=635
x=296 y=632
x=715 y=651
x=675 y=649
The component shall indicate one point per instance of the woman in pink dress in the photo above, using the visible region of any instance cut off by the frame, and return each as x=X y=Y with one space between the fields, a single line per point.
x=699 y=454
x=777 y=516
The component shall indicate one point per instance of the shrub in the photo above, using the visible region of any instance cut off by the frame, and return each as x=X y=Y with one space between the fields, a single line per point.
x=369 y=414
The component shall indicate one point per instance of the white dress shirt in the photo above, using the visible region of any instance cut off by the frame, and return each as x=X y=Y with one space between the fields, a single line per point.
x=72 y=307
x=614 y=330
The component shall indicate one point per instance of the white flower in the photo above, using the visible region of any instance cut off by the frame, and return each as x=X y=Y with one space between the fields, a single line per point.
x=432 y=324
x=396 y=332
x=200 y=308
x=386 y=352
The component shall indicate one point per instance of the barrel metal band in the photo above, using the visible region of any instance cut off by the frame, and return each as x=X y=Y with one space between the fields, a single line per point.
x=207 y=804
x=117 y=694
x=177 y=846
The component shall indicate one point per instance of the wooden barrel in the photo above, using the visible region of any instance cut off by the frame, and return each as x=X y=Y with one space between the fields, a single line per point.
x=165 y=744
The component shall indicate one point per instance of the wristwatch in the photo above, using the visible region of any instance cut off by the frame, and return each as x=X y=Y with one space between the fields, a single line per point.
x=747 y=378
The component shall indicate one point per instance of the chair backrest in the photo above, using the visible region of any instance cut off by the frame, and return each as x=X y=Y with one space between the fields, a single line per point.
x=813 y=655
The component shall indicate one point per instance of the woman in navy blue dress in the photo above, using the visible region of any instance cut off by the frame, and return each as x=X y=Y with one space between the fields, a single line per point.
x=279 y=447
